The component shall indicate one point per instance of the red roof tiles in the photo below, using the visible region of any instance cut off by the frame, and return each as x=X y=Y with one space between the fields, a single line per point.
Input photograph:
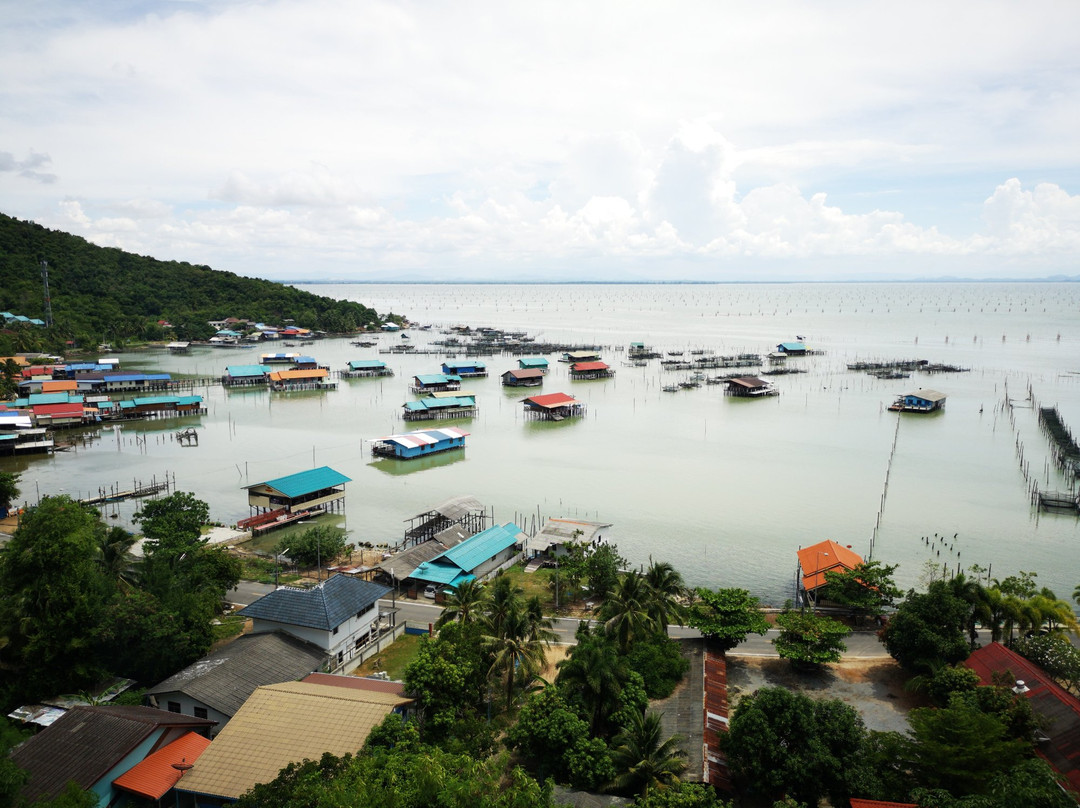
x=825 y=556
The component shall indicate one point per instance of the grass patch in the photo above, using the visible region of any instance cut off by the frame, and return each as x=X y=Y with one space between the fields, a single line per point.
x=253 y=568
x=394 y=659
x=540 y=584
x=230 y=625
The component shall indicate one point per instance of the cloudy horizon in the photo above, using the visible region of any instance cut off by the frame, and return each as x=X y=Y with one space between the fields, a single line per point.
x=334 y=140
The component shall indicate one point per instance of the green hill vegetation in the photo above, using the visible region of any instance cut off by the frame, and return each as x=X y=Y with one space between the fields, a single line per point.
x=102 y=294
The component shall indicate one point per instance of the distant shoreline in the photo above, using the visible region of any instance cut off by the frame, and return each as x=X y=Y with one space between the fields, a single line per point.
x=340 y=282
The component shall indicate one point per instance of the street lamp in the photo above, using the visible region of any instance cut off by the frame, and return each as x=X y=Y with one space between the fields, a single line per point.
x=277 y=566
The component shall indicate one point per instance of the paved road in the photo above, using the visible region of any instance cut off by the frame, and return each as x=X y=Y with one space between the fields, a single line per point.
x=861 y=644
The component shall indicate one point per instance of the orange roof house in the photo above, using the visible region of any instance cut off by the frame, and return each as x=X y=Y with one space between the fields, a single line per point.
x=155 y=775
x=825 y=556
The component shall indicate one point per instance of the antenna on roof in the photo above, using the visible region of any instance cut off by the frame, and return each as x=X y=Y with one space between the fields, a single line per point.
x=48 y=300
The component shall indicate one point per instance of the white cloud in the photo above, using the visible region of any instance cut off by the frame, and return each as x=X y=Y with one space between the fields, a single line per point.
x=337 y=137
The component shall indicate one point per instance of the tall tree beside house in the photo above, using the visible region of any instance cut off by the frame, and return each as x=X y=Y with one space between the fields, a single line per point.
x=464 y=604
x=727 y=616
x=644 y=760
x=784 y=743
x=667 y=592
x=626 y=613
x=54 y=597
x=927 y=630
x=809 y=640
x=867 y=589
x=9 y=491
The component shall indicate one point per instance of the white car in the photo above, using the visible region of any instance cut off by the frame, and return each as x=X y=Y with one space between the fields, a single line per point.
x=430 y=590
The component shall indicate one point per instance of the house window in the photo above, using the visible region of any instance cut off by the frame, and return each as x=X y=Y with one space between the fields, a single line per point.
x=335 y=630
x=359 y=615
x=200 y=712
x=174 y=706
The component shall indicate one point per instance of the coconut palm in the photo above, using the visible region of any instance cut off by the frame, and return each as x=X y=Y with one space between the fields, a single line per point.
x=626 y=612
x=1054 y=614
x=643 y=760
x=970 y=592
x=502 y=599
x=593 y=674
x=463 y=604
x=518 y=655
x=667 y=591
x=114 y=557
x=539 y=627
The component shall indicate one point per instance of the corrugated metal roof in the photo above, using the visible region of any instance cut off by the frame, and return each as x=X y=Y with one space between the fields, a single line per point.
x=425 y=437
x=525 y=373
x=927 y=395
x=580 y=366
x=436 y=378
x=224 y=679
x=323 y=607
x=247 y=371
x=356 y=683
x=441 y=403
x=452 y=365
x=477 y=549
x=308 y=373
x=86 y=742
x=53 y=398
x=134 y=377
x=533 y=362
x=283 y=723
x=154 y=776
x=360 y=364
x=792 y=346
x=305 y=482
x=550 y=400
x=58 y=409
x=749 y=382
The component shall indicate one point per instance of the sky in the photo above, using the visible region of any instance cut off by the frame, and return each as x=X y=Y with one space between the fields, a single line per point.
x=511 y=141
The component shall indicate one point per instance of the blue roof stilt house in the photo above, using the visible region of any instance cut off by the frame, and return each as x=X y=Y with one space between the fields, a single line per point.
x=277 y=502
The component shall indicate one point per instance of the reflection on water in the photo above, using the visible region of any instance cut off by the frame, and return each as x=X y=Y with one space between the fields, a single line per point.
x=398 y=467
x=724 y=488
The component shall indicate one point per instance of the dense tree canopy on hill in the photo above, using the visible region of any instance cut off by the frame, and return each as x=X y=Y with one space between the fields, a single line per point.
x=105 y=294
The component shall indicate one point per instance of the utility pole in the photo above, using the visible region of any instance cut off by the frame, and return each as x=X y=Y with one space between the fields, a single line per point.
x=48 y=300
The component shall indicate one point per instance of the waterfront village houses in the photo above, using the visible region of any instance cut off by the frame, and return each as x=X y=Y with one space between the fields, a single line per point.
x=339 y=615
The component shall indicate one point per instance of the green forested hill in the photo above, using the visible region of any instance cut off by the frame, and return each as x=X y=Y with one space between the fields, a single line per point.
x=105 y=294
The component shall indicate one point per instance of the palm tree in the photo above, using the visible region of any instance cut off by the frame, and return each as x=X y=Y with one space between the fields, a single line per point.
x=593 y=673
x=502 y=599
x=463 y=604
x=539 y=627
x=114 y=557
x=642 y=759
x=626 y=612
x=667 y=591
x=1055 y=614
x=970 y=592
x=516 y=653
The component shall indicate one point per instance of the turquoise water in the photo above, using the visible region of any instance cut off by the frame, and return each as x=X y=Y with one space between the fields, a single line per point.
x=726 y=489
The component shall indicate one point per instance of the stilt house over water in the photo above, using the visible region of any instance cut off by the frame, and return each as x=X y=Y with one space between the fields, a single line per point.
x=533 y=363
x=278 y=502
x=750 y=387
x=527 y=377
x=591 y=370
x=435 y=383
x=361 y=368
x=553 y=407
x=439 y=408
x=465 y=369
x=816 y=560
x=420 y=443
x=919 y=401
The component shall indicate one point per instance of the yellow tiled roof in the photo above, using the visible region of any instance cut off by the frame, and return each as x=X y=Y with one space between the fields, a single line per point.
x=280 y=724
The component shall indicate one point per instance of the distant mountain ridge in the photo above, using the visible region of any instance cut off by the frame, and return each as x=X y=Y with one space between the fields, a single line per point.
x=106 y=294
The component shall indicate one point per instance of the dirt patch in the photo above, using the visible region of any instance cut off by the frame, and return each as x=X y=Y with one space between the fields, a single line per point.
x=874 y=687
x=554 y=654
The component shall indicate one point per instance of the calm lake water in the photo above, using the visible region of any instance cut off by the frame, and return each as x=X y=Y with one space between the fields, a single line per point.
x=725 y=489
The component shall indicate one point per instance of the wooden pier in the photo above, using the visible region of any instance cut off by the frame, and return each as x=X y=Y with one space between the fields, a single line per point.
x=114 y=493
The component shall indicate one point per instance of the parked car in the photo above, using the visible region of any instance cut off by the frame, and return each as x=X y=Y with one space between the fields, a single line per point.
x=430 y=591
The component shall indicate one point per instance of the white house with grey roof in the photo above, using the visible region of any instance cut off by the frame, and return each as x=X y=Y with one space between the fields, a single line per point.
x=217 y=685
x=339 y=615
